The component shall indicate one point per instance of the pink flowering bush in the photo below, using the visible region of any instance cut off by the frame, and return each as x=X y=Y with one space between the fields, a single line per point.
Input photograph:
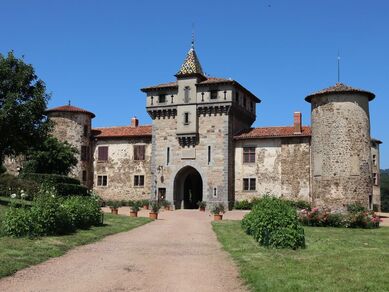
x=324 y=218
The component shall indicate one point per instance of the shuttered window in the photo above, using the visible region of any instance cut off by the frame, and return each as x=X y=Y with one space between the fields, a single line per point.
x=248 y=154
x=102 y=153
x=84 y=153
x=139 y=152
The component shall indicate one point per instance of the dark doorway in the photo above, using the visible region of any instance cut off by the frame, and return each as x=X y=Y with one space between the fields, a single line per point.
x=188 y=188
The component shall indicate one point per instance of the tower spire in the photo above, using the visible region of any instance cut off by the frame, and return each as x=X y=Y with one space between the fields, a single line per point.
x=193 y=35
x=338 y=67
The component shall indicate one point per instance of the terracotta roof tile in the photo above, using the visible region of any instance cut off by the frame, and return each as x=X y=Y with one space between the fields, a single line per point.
x=70 y=108
x=272 y=132
x=124 y=131
x=340 y=88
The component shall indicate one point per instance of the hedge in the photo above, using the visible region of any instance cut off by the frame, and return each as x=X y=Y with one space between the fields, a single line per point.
x=50 y=178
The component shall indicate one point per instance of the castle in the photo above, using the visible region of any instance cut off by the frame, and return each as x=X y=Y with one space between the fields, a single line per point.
x=201 y=147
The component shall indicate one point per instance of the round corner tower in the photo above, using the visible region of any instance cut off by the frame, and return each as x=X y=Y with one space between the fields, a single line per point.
x=340 y=147
x=74 y=125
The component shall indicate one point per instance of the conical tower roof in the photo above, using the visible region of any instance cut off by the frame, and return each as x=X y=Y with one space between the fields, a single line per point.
x=191 y=65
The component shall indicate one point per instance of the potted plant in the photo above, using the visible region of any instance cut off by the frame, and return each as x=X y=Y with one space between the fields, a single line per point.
x=114 y=206
x=166 y=204
x=217 y=211
x=202 y=205
x=135 y=207
x=145 y=204
x=154 y=210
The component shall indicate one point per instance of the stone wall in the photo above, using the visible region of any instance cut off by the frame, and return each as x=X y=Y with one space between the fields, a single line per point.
x=281 y=168
x=121 y=168
x=376 y=198
x=341 y=154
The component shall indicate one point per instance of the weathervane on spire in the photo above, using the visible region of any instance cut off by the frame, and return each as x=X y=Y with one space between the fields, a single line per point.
x=338 y=67
x=193 y=35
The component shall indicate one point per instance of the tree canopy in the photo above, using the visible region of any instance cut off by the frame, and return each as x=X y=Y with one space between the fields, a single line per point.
x=51 y=156
x=23 y=100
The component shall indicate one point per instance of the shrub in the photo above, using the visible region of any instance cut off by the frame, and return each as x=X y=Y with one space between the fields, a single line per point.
x=66 y=190
x=84 y=212
x=10 y=184
x=242 y=205
x=300 y=204
x=355 y=208
x=217 y=209
x=202 y=204
x=135 y=205
x=145 y=202
x=114 y=204
x=50 y=178
x=274 y=223
x=155 y=206
x=17 y=222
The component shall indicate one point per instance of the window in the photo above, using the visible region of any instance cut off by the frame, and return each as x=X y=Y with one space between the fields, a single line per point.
x=209 y=154
x=102 y=153
x=84 y=176
x=162 y=98
x=85 y=130
x=152 y=100
x=214 y=192
x=139 y=152
x=102 y=180
x=168 y=156
x=374 y=160
x=186 y=95
x=248 y=154
x=84 y=153
x=249 y=184
x=213 y=94
x=139 y=180
x=375 y=179
x=186 y=118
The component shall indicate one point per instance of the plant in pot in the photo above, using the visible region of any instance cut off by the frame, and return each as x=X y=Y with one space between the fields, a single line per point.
x=146 y=204
x=166 y=204
x=154 y=210
x=114 y=206
x=217 y=211
x=135 y=207
x=202 y=205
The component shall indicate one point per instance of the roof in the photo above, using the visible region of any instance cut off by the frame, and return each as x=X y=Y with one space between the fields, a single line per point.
x=123 y=132
x=376 y=141
x=70 y=108
x=340 y=88
x=191 y=65
x=272 y=132
x=207 y=81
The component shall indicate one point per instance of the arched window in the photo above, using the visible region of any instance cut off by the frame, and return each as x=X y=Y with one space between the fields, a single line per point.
x=186 y=92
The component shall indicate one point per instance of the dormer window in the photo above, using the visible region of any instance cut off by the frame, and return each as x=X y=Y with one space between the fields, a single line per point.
x=162 y=98
x=213 y=94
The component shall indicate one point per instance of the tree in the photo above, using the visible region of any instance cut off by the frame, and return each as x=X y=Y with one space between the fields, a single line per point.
x=23 y=100
x=52 y=156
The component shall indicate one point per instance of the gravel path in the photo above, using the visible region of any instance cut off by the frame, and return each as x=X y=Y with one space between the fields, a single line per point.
x=179 y=252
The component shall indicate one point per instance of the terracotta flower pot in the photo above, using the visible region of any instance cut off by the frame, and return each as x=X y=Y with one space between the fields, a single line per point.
x=133 y=214
x=153 y=215
x=202 y=209
x=114 y=211
x=167 y=208
x=217 y=217
x=146 y=207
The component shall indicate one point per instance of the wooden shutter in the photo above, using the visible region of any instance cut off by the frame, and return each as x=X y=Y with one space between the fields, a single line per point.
x=103 y=153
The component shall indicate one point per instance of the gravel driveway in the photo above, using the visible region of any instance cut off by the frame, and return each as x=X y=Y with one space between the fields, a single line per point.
x=179 y=252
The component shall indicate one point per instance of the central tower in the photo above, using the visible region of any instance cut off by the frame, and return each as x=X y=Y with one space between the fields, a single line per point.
x=194 y=121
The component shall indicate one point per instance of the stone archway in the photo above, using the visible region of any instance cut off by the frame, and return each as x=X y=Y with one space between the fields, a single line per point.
x=188 y=188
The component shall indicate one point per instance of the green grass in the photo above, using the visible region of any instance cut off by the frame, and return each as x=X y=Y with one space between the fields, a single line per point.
x=336 y=259
x=18 y=253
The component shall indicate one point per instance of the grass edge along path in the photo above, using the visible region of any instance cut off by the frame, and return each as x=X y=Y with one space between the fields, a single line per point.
x=336 y=259
x=19 y=253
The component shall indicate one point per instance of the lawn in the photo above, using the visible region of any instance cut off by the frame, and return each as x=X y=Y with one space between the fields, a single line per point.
x=18 y=253
x=336 y=259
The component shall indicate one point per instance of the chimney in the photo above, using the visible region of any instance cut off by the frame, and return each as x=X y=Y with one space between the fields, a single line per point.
x=297 y=123
x=134 y=122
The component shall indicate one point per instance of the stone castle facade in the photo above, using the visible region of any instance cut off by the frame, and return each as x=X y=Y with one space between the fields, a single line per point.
x=201 y=147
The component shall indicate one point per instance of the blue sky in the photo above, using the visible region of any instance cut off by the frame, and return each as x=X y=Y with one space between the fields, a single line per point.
x=98 y=54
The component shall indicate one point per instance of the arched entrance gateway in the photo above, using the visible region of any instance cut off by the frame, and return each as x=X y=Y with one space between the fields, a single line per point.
x=188 y=188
